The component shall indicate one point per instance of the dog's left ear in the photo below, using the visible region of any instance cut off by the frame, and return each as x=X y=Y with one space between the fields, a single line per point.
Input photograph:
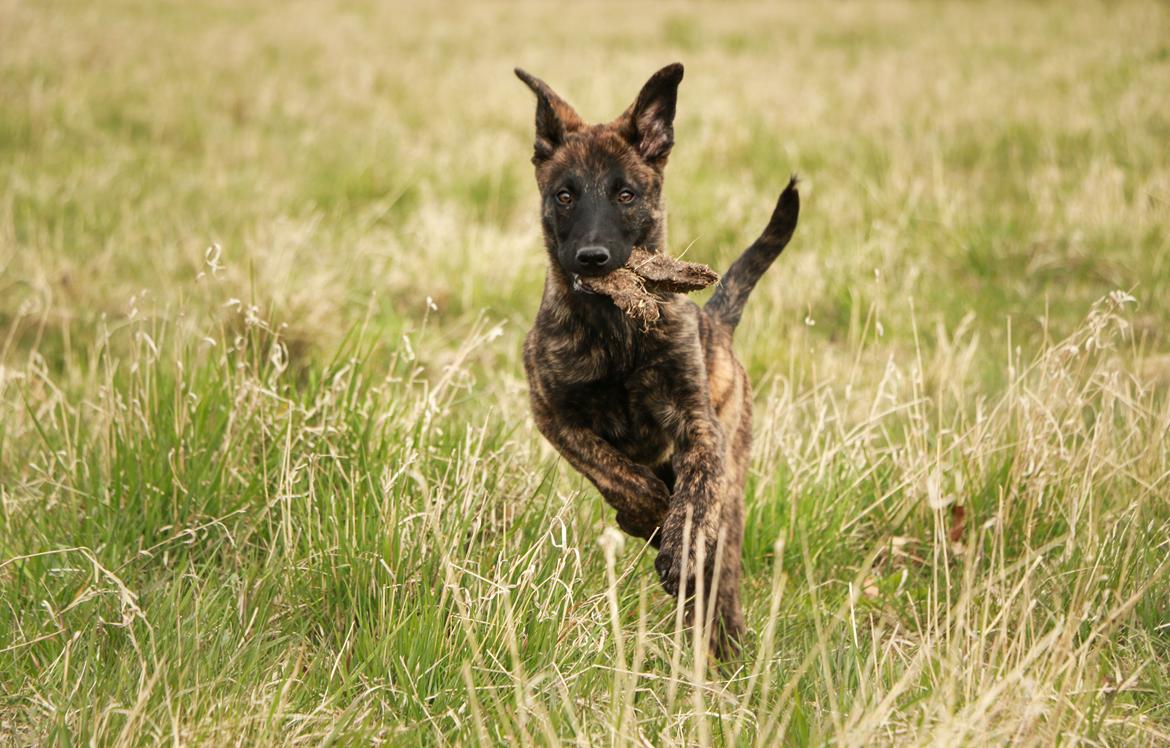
x=649 y=122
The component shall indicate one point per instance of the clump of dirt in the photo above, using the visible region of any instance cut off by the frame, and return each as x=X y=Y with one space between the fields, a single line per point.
x=640 y=287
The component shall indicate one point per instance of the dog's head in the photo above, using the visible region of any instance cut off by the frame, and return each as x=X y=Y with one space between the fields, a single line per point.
x=601 y=185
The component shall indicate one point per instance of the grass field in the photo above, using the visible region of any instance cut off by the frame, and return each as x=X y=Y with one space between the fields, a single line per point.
x=267 y=475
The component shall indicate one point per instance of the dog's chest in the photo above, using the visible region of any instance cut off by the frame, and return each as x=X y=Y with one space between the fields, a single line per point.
x=625 y=415
x=604 y=373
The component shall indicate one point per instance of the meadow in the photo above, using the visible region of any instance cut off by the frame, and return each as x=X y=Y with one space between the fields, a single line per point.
x=267 y=472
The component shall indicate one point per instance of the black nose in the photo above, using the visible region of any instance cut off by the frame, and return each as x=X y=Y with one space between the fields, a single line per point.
x=593 y=256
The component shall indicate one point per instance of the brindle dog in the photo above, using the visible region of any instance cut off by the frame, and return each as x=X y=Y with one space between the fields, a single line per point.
x=658 y=419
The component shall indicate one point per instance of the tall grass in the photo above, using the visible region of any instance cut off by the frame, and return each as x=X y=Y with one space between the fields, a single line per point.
x=266 y=471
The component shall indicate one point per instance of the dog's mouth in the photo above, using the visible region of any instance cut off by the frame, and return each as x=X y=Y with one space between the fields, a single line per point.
x=580 y=287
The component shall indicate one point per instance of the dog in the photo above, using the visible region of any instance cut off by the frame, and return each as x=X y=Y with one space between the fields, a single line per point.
x=659 y=418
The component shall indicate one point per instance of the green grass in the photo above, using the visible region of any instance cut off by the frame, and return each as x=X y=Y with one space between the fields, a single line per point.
x=267 y=475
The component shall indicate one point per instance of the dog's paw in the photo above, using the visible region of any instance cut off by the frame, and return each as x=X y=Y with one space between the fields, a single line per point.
x=640 y=512
x=673 y=565
x=640 y=525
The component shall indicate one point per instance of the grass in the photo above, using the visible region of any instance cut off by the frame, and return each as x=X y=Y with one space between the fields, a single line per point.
x=266 y=470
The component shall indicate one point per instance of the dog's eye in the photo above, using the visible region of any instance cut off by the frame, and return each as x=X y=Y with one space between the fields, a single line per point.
x=625 y=197
x=564 y=197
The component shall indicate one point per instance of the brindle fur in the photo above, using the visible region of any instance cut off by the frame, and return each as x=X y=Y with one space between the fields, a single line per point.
x=658 y=418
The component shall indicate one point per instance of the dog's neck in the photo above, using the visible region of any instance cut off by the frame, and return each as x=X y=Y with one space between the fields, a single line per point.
x=608 y=341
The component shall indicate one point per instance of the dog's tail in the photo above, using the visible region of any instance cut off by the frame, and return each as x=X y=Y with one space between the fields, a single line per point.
x=726 y=306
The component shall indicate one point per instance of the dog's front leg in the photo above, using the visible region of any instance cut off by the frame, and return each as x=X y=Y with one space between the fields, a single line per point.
x=639 y=496
x=698 y=467
x=700 y=477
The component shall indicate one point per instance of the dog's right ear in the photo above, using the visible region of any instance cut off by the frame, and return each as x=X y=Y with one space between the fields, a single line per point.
x=554 y=118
